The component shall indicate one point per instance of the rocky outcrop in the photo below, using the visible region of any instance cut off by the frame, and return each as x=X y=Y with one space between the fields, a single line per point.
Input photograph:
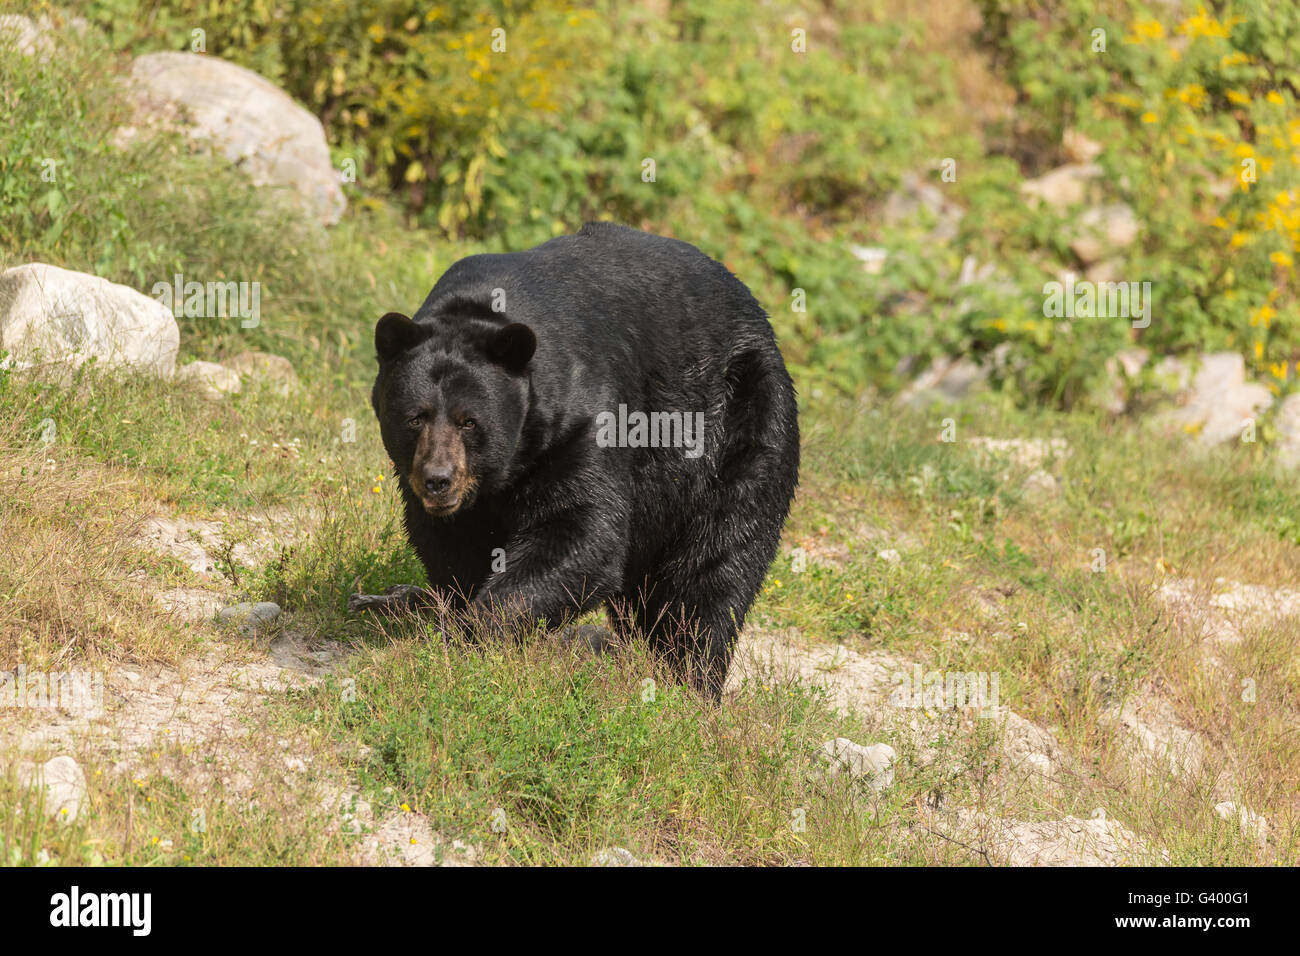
x=251 y=121
x=53 y=315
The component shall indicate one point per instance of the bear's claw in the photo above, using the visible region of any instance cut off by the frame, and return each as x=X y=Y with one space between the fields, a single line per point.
x=399 y=597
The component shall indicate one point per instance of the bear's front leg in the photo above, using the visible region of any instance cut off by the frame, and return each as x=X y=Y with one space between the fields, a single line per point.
x=396 y=600
x=555 y=569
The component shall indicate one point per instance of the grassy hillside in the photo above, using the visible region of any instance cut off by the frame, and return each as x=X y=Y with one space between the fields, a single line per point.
x=904 y=547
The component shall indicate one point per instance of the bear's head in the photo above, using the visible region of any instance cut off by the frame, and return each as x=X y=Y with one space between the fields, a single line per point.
x=452 y=397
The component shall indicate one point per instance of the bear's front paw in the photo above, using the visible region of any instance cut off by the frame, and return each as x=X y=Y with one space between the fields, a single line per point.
x=397 y=599
x=366 y=602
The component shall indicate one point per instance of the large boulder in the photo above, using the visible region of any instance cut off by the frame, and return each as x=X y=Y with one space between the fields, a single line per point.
x=1221 y=400
x=253 y=123
x=53 y=315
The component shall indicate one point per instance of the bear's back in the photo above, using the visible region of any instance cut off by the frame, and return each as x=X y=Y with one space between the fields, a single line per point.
x=612 y=288
x=622 y=318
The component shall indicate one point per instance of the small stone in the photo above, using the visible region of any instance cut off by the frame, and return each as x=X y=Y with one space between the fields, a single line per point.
x=614 y=856
x=215 y=380
x=945 y=380
x=250 y=616
x=1113 y=226
x=890 y=555
x=1063 y=187
x=64 y=783
x=263 y=367
x=1253 y=826
x=871 y=257
x=1080 y=148
x=872 y=764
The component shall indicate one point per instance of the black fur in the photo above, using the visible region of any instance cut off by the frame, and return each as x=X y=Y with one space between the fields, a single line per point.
x=677 y=547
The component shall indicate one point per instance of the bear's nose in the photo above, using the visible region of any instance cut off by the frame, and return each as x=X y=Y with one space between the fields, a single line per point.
x=436 y=482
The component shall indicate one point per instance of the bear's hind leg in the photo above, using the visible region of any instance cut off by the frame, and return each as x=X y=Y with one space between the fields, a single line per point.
x=692 y=615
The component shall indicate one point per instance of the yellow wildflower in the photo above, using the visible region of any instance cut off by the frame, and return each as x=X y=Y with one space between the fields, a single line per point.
x=1147 y=30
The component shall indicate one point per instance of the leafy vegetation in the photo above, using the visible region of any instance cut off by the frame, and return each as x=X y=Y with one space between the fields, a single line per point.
x=781 y=164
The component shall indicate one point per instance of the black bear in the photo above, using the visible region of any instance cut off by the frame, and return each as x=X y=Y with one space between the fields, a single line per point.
x=602 y=420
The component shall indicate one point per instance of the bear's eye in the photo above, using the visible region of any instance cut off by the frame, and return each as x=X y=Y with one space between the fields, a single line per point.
x=468 y=424
x=416 y=421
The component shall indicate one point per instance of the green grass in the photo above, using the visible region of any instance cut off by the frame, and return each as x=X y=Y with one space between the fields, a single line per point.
x=573 y=751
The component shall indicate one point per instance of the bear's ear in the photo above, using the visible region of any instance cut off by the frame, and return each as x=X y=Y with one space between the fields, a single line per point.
x=513 y=346
x=396 y=333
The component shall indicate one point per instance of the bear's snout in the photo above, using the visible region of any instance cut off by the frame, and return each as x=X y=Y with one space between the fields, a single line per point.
x=440 y=476
x=437 y=482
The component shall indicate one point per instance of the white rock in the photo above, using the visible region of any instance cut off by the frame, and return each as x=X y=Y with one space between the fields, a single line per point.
x=1039 y=763
x=914 y=198
x=64 y=783
x=1221 y=400
x=215 y=380
x=1253 y=826
x=274 y=370
x=874 y=764
x=614 y=856
x=890 y=555
x=872 y=258
x=250 y=120
x=24 y=35
x=1121 y=369
x=50 y=314
x=1105 y=228
x=946 y=379
x=1288 y=431
x=1064 y=187
x=36 y=37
